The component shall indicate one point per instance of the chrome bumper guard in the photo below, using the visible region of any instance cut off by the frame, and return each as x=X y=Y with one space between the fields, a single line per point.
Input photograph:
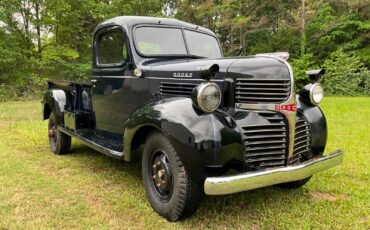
x=252 y=180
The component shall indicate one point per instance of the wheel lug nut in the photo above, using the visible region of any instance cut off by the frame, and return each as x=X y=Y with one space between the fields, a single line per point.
x=158 y=185
x=154 y=177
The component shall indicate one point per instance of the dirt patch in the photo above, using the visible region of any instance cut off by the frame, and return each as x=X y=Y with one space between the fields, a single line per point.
x=4 y=124
x=254 y=227
x=94 y=202
x=318 y=195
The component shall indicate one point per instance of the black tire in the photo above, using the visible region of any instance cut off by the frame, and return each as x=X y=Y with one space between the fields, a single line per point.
x=60 y=143
x=172 y=193
x=294 y=184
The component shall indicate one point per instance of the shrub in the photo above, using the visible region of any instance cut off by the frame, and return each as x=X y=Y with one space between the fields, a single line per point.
x=345 y=75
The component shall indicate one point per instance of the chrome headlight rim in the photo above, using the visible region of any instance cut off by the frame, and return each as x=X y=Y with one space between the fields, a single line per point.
x=198 y=93
x=311 y=93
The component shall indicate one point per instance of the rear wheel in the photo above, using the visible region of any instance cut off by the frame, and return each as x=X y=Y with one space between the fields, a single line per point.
x=60 y=143
x=169 y=188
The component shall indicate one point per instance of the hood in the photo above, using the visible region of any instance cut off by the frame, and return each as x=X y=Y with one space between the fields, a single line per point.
x=240 y=67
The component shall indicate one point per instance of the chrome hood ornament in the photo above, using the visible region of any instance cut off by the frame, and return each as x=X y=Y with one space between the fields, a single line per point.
x=282 y=55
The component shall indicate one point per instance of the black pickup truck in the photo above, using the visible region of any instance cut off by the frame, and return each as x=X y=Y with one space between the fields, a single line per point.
x=208 y=124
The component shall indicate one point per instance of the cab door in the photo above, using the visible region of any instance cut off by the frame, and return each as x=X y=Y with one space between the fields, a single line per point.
x=111 y=80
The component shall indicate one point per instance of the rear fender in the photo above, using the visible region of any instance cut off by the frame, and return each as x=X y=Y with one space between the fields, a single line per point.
x=200 y=139
x=57 y=101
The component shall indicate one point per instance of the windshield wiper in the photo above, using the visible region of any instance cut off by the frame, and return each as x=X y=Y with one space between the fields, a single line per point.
x=192 y=56
x=195 y=56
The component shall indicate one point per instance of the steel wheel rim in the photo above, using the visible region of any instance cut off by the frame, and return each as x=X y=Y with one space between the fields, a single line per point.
x=161 y=178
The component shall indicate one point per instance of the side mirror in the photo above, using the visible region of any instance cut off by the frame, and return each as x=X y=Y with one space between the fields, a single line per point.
x=316 y=74
x=130 y=65
x=241 y=51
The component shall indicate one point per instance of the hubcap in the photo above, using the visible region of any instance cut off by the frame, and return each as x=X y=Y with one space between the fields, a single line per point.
x=52 y=131
x=161 y=175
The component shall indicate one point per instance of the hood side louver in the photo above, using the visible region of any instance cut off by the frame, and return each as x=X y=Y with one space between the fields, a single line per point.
x=177 y=88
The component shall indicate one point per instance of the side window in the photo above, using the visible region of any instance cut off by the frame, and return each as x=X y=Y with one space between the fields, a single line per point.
x=112 y=48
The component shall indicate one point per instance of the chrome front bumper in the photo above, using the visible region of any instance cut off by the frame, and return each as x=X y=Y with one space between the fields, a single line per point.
x=263 y=178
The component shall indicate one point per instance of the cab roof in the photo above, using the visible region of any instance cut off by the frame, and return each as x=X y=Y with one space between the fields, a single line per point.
x=128 y=22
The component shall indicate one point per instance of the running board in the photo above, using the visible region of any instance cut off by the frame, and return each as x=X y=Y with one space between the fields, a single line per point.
x=92 y=144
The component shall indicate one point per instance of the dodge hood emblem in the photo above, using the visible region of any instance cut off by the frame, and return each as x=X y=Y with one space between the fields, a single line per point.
x=182 y=74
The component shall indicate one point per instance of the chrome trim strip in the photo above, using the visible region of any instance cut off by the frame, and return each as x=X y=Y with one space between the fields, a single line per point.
x=186 y=79
x=290 y=115
x=252 y=180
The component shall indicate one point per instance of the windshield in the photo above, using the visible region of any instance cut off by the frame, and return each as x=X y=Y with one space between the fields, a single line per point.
x=164 y=41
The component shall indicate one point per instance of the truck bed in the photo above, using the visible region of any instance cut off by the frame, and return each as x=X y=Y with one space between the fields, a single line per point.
x=63 y=84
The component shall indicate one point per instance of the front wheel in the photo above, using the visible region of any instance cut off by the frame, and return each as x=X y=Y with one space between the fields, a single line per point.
x=169 y=188
x=298 y=183
x=294 y=184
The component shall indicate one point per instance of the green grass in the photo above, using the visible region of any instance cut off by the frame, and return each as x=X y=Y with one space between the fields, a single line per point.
x=87 y=190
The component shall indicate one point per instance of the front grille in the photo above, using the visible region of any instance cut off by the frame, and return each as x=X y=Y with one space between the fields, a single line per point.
x=177 y=88
x=262 y=90
x=266 y=144
x=301 y=141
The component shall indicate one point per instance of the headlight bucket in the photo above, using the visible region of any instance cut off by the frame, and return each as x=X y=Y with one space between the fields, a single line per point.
x=207 y=96
x=312 y=93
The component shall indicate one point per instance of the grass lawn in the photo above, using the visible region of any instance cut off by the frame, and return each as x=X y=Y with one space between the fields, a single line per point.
x=87 y=190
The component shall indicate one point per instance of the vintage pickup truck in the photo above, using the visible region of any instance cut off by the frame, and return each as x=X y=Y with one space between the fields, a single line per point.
x=205 y=123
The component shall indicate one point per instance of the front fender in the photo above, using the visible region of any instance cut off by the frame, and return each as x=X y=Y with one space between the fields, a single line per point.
x=201 y=139
x=318 y=126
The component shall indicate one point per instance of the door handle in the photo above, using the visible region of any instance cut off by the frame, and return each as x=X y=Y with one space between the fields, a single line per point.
x=94 y=80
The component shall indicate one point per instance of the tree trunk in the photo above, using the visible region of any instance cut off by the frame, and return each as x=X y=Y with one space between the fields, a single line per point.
x=231 y=41
x=24 y=18
x=242 y=40
x=303 y=32
x=57 y=29
x=38 y=30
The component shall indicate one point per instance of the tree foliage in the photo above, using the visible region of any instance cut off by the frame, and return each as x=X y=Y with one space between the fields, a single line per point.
x=300 y=66
x=51 y=39
x=346 y=75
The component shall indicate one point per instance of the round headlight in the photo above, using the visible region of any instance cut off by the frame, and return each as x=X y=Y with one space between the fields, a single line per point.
x=316 y=93
x=207 y=96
